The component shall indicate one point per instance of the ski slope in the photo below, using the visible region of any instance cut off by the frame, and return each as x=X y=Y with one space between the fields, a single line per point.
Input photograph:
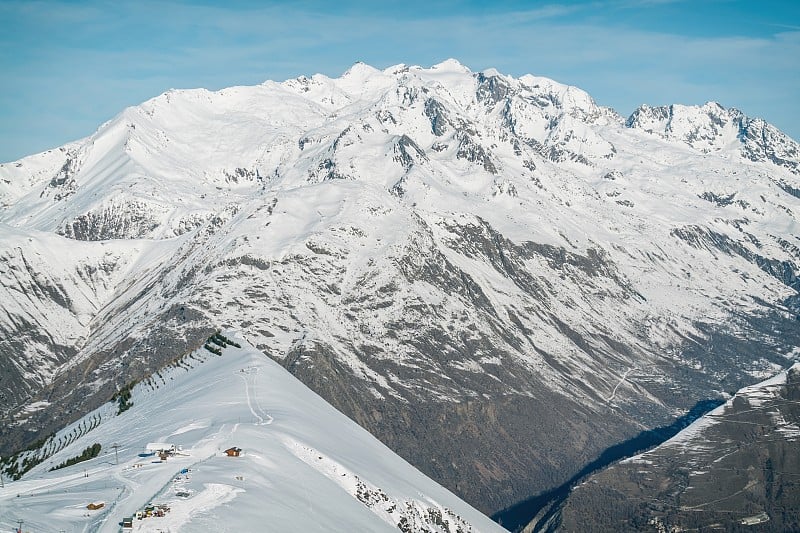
x=304 y=466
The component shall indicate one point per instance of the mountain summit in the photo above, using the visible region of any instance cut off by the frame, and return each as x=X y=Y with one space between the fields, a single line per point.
x=496 y=276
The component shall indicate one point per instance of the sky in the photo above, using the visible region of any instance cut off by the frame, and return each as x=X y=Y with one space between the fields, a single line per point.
x=67 y=66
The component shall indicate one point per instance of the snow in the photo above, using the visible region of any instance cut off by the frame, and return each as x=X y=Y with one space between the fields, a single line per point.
x=302 y=468
x=286 y=208
x=158 y=446
x=34 y=406
x=451 y=65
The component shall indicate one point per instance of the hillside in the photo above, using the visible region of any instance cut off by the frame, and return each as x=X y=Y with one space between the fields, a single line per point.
x=303 y=465
x=736 y=469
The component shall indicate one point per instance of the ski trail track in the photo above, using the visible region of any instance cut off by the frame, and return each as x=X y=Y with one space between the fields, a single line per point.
x=248 y=374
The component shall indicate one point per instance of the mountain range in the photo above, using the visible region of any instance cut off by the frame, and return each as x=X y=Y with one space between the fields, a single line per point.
x=497 y=277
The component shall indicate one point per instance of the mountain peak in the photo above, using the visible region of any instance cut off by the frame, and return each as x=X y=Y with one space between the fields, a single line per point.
x=451 y=65
x=360 y=70
x=491 y=73
x=711 y=127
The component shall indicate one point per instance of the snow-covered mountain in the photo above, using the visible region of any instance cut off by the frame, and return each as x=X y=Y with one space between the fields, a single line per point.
x=494 y=263
x=302 y=465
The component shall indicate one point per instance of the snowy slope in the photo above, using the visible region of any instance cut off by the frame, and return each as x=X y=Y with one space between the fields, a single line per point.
x=418 y=245
x=304 y=465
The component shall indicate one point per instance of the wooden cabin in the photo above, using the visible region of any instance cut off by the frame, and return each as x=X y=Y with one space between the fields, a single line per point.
x=233 y=452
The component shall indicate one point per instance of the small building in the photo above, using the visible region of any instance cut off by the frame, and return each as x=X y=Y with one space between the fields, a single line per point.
x=233 y=452
x=159 y=447
x=127 y=523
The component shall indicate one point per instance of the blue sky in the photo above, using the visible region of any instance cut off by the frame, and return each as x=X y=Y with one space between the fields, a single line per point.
x=68 y=66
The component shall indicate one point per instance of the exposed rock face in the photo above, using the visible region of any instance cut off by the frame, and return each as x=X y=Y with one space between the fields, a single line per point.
x=496 y=276
x=735 y=468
